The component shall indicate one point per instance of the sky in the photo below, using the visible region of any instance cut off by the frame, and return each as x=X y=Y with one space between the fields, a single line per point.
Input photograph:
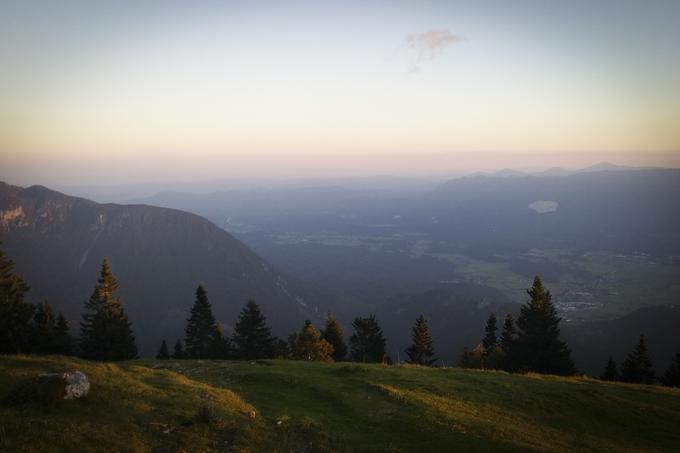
x=130 y=91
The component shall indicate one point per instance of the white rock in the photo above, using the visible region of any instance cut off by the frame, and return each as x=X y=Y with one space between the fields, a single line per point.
x=77 y=385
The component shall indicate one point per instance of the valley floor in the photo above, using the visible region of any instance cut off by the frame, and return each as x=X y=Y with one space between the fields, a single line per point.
x=296 y=406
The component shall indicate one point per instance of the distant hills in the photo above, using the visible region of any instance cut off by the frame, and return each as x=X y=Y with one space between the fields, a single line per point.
x=627 y=211
x=159 y=255
x=559 y=171
x=594 y=342
x=605 y=206
x=606 y=243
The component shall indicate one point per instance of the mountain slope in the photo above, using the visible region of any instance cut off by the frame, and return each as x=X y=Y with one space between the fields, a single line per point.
x=158 y=255
x=594 y=342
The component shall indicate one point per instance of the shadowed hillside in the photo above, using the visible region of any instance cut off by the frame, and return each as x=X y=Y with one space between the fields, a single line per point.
x=159 y=256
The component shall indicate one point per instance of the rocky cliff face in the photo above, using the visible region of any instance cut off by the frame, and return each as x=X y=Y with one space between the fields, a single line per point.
x=159 y=256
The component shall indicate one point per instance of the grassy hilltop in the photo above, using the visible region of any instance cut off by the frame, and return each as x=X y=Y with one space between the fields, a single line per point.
x=208 y=405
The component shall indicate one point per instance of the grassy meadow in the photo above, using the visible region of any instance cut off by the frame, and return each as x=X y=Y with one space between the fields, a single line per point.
x=275 y=405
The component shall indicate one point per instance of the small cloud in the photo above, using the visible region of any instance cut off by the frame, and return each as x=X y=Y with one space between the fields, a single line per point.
x=428 y=45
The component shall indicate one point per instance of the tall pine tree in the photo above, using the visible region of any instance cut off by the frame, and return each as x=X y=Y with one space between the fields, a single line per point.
x=178 y=351
x=539 y=346
x=105 y=331
x=671 y=377
x=252 y=337
x=334 y=334
x=163 y=352
x=637 y=367
x=200 y=331
x=63 y=342
x=611 y=371
x=490 y=339
x=367 y=343
x=15 y=314
x=508 y=342
x=421 y=351
x=44 y=329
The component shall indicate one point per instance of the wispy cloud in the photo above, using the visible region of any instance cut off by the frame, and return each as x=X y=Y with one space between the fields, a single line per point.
x=428 y=45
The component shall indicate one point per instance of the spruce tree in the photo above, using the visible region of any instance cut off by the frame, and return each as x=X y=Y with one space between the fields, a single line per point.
x=178 y=352
x=421 y=351
x=15 y=314
x=44 y=329
x=637 y=367
x=490 y=339
x=367 y=343
x=508 y=343
x=671 y=377
x=163 y=352
x=105 y=331
x=611 y=371
x=334 y=334
x=252 y=337
x=309 y=345
x=465 y=360
x=200 y=329
x=493 y=355
x=62 y=341
x=538 y=344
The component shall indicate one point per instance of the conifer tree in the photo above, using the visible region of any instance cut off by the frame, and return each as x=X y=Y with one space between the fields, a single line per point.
x=220 y=347
x=671 y=377
x=281 y=349
x=611 y=371
x=334 y=334
x=493 y=354
x=200 y=329
x=44 y=331
x=421 y=351
x=539 y=346
x=367 y=343
x=507 y=343
x=105 y=331
x=637 y=367
x=15 y=314
x=62 y=341
x=163 y=352
x=465 y=360
x=490 y=339
x=309 y=345
x=178 y=352
x=252 y=337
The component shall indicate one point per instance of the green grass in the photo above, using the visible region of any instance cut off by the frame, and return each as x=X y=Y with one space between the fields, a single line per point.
x=334 y=407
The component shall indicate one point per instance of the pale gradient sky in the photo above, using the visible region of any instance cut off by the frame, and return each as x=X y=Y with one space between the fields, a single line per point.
x=187 y=90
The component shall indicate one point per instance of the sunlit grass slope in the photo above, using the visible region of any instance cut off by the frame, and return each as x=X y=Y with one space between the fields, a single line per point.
x=345 y=407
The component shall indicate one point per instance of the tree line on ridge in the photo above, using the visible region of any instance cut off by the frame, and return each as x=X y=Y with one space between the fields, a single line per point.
x=531 y=344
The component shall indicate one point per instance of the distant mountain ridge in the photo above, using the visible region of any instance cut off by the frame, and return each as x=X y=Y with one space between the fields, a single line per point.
x=559 y=171
x=159 y=255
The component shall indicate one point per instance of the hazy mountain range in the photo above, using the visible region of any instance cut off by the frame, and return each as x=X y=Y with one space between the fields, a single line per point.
x=159 y=255
x=605 y=242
